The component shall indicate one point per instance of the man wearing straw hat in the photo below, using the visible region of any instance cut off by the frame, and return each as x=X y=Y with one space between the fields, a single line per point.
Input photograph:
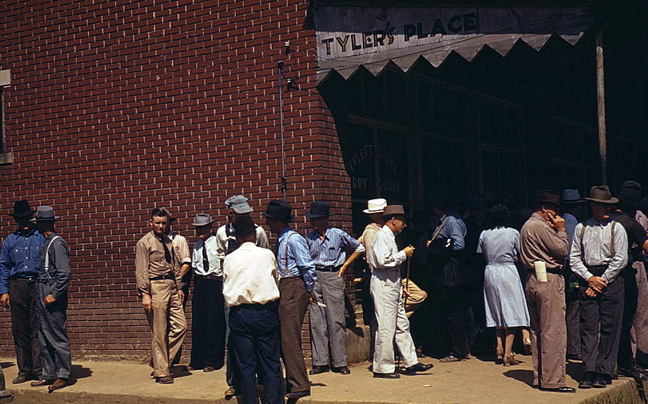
x=327 y=246
x=208 y=316
x=387 y=292
x=159 y=284
x=51 y=297
x=544 y=244
x=18 y=274
x=598 y=254
x=375 y=209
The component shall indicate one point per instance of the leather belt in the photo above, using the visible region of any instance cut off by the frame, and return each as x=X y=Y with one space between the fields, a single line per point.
x=163 y=277
x=211 y=277
x=328 y=268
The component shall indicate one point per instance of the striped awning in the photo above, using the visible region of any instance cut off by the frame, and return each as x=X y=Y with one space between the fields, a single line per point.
x=372 y=37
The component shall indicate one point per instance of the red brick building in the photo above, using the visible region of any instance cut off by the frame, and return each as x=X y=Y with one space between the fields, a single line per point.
x=112 y=108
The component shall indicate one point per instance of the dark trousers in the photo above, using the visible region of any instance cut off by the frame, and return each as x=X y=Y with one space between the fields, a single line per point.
x=208 y=327
x=572 y=316
x=626 y=359
x=454 y=307
x=601 y=327
x=292 y=309
x=24 y=325
x=54 y=342
x=254 y=337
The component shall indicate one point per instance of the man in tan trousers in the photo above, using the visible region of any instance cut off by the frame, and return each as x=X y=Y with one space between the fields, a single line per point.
x=159 y=283
x=544 y=242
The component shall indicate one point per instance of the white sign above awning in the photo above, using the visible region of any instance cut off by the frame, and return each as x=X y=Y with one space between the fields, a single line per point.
x=350 y=36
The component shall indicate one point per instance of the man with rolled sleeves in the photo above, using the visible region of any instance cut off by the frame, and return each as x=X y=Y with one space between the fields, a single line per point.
x=544 y=241
x=297 y=279
x=599 y=254
x=19 y=269
x=52 y=302
x=328 y=247
x=387 y=293
x=159 y=284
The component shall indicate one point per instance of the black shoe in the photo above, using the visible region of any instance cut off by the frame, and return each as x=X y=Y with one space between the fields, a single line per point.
x=419 y=367
x=641 y=370
x=599 y=382
x=586 y=383
x=386 y=375
x=295 y=395
x=319 y=369
x=343 y=370
x=21 y=379
x=563 y=389
x=634 y=373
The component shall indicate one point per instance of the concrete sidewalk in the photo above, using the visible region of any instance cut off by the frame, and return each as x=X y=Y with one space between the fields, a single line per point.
x=473 y=381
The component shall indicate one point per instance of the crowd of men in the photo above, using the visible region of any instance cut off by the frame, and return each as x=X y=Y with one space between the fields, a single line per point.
x=251 y=301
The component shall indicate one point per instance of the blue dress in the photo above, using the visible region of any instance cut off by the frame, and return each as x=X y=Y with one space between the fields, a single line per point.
x=503 y=292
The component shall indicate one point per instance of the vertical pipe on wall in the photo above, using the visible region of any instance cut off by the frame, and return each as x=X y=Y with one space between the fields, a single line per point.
x=281 y=126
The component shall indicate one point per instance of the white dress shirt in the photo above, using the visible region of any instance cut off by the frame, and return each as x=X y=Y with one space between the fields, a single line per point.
x=250 y=276
x=384 y=252
x=593 y=247
x=212 y=256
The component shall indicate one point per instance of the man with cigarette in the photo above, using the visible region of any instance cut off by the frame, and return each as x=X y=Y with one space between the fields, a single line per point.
x=544 y=244
x=598 y=255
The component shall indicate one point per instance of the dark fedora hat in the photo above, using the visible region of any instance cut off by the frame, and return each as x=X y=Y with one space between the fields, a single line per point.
x=548 y=196
x=393 y=210
x=571 y=196
x=45 y=214
x=629 y=198
x=631 y=184
x=601 y=194
x=22 y=209
x=318 y=209
x=279 y=210
x=243 y=225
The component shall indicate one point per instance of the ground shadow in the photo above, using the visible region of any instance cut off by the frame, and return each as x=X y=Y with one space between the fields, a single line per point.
x=524 y=376
x=5 y=365
x=180 y=371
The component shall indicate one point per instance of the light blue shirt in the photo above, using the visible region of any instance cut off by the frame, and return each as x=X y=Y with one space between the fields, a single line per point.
x=570 y=225
x=293 y=258
x=454 y=229
x=330 y=251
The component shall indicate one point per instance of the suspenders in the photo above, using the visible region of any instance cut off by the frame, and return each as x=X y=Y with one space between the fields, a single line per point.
x=47 y=263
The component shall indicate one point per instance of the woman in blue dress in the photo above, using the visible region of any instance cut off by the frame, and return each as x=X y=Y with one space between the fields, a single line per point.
x=506 y=307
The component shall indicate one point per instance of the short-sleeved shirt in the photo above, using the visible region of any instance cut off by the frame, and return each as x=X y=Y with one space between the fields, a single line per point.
x=330 y=251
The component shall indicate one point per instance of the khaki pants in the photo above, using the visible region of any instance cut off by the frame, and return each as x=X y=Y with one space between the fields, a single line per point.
x=415 y=299
x=546 y=301
x=168 y=325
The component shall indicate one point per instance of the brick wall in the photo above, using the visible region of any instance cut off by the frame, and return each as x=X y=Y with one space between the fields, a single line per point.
x=117 y=107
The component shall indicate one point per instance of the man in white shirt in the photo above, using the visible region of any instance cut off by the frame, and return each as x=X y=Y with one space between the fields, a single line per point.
x=599 y=252
x=251 y=292
x=208 y=327
x=387 y=292
x=226 y=243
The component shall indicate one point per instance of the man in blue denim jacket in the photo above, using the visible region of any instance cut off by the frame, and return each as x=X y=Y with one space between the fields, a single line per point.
x=19 y=262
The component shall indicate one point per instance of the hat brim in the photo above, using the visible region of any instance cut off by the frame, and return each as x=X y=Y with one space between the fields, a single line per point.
x=49 y=219
x=21 y=215
x=573 y=202
x=281 y=219
x=315 y=216
x=242 y=210
x=610 y=201
x=202 y=224
x=369 y=212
